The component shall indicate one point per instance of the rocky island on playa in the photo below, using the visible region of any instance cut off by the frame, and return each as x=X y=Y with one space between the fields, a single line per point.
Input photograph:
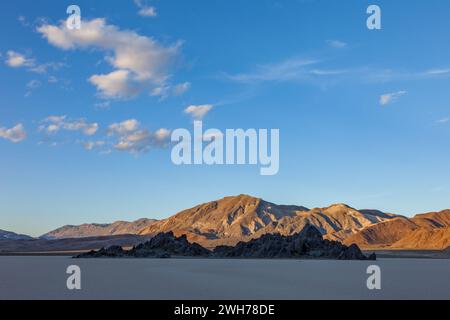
x=307 y=244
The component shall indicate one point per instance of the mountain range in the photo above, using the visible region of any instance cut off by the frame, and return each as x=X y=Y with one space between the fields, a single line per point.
x=241 y=218
x=97 y=230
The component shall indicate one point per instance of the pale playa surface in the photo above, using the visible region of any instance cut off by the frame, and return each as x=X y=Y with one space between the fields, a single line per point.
x=45 y=278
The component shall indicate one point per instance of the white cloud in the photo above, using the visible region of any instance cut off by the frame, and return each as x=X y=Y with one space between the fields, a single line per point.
x=391 y=97
x=117 y=84
x=162 y=134
x=198 y=112
x=15 y=134
x=131 y=137
x=145 y=10
x=336 y=44
x=125 y=127
x=140 y=62
x=53 y=124
x=18 y=60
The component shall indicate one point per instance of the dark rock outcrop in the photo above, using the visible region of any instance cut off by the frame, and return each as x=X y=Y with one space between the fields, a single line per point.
x=309 y=243
x=163 y=245
x=166 y=243
x=109 y=252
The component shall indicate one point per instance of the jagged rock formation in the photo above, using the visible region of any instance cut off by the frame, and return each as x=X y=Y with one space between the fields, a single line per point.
x=309 y=243
x=162 y=245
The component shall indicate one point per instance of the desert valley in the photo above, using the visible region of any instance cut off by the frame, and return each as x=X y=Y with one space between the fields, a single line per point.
x=237 y=247
x=231 y=220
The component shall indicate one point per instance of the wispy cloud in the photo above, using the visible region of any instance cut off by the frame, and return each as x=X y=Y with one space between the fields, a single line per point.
x=103 y=105
x=23 y=21
x=54 y=124
x=390 y=75
x=337 y=44
x=438 y=72
x=145 y=10
x=31 y=86
x=325 y=72
x=288 y=70
x=127 y=136
x=165 y=91
x=91 y=145
x=388 y=98
x=19 y=60
x=443 y=120
x=317 y=71
x=181 y=88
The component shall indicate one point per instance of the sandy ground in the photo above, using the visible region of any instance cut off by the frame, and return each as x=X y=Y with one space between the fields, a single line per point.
x=45 y=278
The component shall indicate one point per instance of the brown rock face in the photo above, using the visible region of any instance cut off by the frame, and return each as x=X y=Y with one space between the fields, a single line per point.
x=242 y=218
x=430 y=231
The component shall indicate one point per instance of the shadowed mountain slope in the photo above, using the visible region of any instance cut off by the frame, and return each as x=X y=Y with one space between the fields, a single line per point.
x=8 y=235
x=96 y=230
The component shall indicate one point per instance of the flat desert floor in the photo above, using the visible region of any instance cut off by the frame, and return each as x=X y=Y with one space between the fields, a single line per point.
x=41 y=277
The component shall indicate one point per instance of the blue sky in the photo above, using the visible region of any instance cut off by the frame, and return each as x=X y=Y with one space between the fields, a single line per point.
x=363 y=115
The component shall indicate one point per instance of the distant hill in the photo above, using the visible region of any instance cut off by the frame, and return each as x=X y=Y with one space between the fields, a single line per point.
x=423 y=231
x=95 y=230
x=8 y=235
x=69 y=244
x=233 y=219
